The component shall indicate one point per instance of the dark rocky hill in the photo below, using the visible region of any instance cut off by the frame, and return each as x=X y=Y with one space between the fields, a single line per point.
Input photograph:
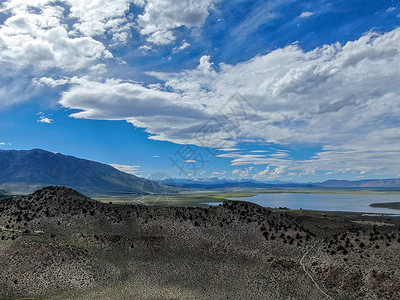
x=32 y=169
x=59 y=244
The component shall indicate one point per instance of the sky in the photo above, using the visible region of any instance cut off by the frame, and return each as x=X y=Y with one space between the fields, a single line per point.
x=278 y=90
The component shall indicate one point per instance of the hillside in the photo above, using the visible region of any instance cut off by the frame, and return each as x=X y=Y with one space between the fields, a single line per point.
x=59 y=244
x=25 y=171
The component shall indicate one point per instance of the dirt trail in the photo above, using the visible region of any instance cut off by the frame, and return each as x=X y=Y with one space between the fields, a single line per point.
x=20 y=231
x=10 y=230
x=309 y=275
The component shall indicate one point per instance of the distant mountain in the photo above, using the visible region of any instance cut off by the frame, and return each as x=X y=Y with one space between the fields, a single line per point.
x=216 y=183
x=368 y=183
x=26 y=171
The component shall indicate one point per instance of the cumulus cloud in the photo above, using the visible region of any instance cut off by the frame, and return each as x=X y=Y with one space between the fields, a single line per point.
x=126 y=168
x=268 y=173
x=340 y=97
x=243 y=173
x=161 y=17
x=37 y=34
x=45 y=120
x=42 y=37
x=165 y=115
x=98 y=17
x=343 y=98
x=51 y=82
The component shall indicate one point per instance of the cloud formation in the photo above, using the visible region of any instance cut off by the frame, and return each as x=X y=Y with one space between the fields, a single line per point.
x=306 y=14
x=44 y=37
x=161 y=17
x=343 y=98
x=126 y=168
x=36 y=34
x=44 y=119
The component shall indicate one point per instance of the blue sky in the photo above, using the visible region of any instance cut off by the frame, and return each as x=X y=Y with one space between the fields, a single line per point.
x=265 y=90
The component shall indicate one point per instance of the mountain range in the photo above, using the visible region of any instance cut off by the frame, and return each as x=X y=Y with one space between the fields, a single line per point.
x=217 y=183
x=28 y=170
x=24 y=171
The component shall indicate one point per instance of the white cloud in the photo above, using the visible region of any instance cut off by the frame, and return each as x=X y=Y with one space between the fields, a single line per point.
x=306 y=14
x=97 y=17
x=229 y=149
x=165 y=115
x=183 y=46
x=343 y=98
x=308 y=171
x=37 y=35
x=126 y=168
x=230 y=155
x=145 y=48
x=62 y=38
x=205 y=65
x=243 y=173
x=262 y=174
x=219 y=173
x=51 y=82
x=161 y=17
x=163 y=37
x=4 y=144
x=268 y=173
x=43 y=119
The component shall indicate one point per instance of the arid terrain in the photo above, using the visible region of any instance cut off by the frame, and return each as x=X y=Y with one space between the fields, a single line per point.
x=59 y=244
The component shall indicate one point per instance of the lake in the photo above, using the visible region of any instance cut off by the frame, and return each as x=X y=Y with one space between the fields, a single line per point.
x=325 y=202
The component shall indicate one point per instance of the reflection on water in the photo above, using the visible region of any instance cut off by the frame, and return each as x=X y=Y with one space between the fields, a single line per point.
x=325 y=202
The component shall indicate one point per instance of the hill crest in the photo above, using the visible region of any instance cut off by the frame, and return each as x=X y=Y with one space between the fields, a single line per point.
x=24 y=171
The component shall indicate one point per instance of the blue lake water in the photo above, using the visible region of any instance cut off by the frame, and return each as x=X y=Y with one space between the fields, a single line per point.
x=325 y=202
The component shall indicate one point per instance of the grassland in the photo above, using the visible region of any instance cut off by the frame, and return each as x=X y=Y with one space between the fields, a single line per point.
x=200 y=197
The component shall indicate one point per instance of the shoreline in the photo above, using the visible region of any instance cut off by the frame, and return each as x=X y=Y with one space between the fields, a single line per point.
x=388 y=205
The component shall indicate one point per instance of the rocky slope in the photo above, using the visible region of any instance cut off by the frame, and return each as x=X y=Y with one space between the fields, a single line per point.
x=59 y=244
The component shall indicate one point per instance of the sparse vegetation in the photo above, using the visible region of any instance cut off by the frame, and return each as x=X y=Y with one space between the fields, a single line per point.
x=59 y=244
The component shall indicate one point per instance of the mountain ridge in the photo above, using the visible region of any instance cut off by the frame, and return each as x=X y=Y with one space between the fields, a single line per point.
x=28 y=170
x=390 y=182
x=212 y=183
